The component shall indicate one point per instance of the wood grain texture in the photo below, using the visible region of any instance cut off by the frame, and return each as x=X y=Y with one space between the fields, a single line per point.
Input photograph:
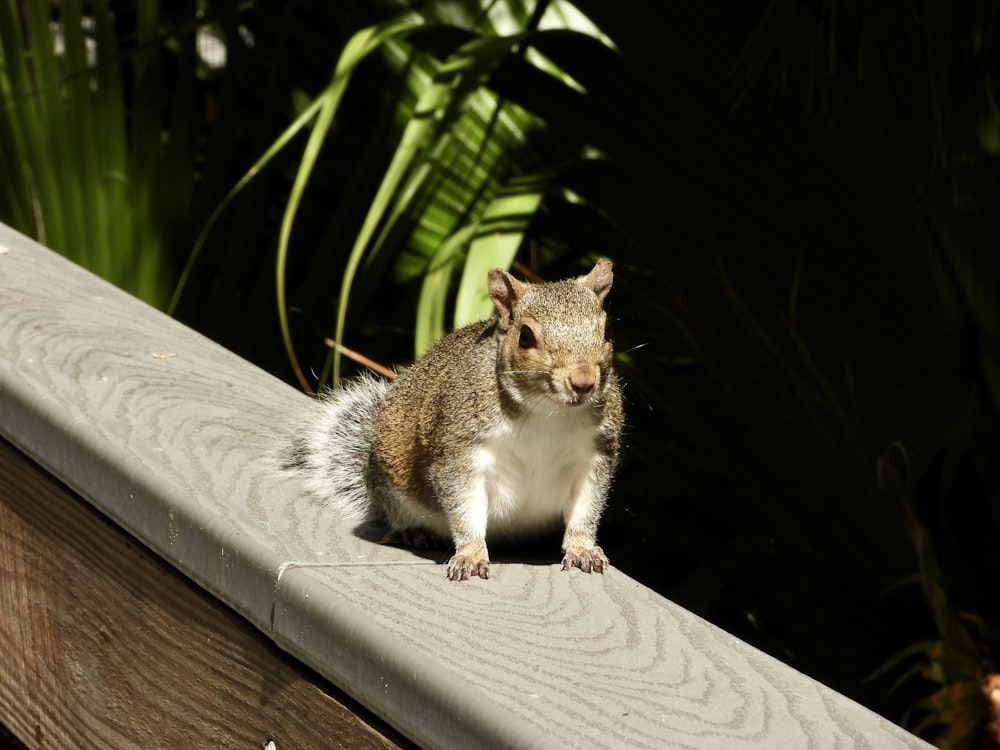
x=106 y=646
x=174 y=449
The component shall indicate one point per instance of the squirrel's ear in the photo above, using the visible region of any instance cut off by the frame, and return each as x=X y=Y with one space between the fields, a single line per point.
x=504 y=290
x=599 y=279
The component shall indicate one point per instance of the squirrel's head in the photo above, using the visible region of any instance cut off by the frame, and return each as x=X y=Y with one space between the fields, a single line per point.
x=554 y=338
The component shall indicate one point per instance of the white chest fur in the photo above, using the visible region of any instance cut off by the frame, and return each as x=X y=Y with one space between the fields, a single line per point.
x=536 y=470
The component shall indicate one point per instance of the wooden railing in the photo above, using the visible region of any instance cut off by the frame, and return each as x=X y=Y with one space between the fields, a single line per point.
x=166 y=435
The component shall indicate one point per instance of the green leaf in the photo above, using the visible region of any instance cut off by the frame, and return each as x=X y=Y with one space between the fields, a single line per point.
x=503 y=227
x=438 y=106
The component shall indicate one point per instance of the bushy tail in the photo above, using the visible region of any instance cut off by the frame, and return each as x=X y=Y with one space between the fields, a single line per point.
x=331 y=448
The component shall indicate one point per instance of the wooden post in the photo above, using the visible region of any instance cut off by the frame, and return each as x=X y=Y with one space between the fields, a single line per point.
x=106 y=646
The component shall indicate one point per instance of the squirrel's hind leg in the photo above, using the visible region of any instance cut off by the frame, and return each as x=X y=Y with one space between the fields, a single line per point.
x=469 y=562
x=416 y=537
x=410 y=523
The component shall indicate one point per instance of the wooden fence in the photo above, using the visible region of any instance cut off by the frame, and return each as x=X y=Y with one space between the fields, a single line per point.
x=161 y=587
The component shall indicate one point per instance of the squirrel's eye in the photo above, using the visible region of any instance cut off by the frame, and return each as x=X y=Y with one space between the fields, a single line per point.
x=526 y=338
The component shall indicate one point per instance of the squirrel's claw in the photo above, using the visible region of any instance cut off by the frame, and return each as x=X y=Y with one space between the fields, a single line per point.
x=587 y=559
x=464 y=567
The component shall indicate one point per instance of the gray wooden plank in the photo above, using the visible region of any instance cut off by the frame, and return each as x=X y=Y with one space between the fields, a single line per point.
x=566 y=660
x=168 y=433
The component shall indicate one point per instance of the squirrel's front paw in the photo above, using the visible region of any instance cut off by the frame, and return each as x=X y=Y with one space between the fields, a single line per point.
x=587 y=559
x=464 y=567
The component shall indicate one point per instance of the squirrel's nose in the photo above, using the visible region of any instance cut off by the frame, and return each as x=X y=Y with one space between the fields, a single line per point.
x=582 y=380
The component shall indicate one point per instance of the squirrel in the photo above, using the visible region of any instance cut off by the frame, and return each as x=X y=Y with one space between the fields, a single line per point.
x=507 y=426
